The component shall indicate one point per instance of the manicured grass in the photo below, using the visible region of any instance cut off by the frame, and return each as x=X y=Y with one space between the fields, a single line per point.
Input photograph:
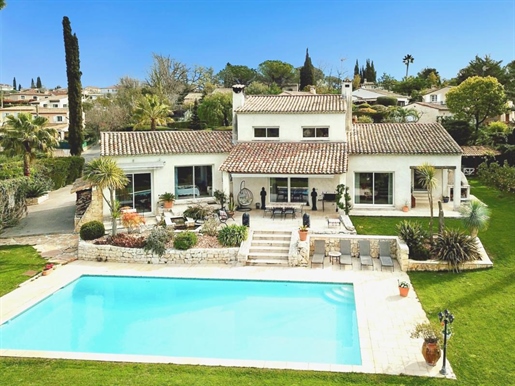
x=14 y=261
x=480 y=349
x=388 y=225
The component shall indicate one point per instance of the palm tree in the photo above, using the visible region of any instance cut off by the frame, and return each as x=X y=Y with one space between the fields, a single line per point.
x=27 y=135
x=106 y=174
x=476 y=216
x=151 y=111
x=407 y=60
x=426 y=175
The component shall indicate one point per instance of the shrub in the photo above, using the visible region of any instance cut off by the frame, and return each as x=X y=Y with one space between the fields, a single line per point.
x=232 y=235
x=198 y=212
x=37 y=186
x=131 y=220
x=415 y=238
x=157 y=240
x=123 y=240
x=210 y=227
x=92 y=230
x=185 y=240
x=501 y=177
x=455 y=247
x=365 y=119
x=386 y=101
x=62 y=170
x=13 y=205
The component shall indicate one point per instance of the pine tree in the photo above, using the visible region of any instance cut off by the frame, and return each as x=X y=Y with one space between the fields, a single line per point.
x=356 y=68
x=307 y=73
x=32 y=84
x=71 y=48
x=14 y=83
x=195 y=120
x=38 y=83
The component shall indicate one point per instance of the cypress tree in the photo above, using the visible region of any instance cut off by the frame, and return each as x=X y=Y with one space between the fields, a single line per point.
x=19 y=87
x=38 y=83
x=32 y=84
x=356 y=68
x=307 y=73
x=195 y=120
x=71 y=48
x=14 y=83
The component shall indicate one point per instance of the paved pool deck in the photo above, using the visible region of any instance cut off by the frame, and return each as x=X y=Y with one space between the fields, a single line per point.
x=385 y=319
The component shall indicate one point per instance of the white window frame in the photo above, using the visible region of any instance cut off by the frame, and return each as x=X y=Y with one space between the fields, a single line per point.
x=317 y=131
x=433 y=98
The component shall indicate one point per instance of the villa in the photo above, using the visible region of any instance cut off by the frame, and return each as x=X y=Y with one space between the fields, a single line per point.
x=291 y=145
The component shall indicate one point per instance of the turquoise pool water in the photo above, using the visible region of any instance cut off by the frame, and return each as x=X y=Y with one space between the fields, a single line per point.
x=202 y=318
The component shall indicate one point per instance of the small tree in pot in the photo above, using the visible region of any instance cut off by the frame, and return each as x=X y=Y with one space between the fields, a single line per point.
x=167 y=199
x=430 y=348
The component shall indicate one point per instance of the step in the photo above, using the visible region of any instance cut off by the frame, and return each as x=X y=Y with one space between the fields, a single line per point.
x=269 y=250
x=266 y=236
x=271 y=243
x=267 y=255
x=267 y=262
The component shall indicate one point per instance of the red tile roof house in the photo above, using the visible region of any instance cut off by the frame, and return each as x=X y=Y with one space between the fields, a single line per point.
x=290 y=145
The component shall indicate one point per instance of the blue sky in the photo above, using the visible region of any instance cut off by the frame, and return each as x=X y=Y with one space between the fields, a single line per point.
x=117 y=38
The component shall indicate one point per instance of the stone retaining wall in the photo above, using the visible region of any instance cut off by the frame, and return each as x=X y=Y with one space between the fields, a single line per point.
x=93 y=252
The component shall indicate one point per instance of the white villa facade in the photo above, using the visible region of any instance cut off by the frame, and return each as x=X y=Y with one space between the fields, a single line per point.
x=290 y=145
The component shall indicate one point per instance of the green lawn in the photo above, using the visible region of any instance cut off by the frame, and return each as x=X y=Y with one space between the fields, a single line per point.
x=480 y=349
x=14 y=261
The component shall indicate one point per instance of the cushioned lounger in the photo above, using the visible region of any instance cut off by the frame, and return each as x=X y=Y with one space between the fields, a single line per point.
x=364 y=254
x=345 y=257
x=319 y=253
x=384 y=255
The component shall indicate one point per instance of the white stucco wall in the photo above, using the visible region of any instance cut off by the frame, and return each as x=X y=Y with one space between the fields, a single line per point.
x=290 y=126
x=400 y=166
x=429 y=115
x=163 y=178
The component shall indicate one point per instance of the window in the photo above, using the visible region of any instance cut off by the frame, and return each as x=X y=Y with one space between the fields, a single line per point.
x=65 y=105
x=45 y=105
x=55 y=105
x=266 y=132
x=59 y=118
x=283 y=189
x=137 y=193
x=315 y=132
x=434 y=98
x=193 y=181
x=373 y=188
x=22 y=97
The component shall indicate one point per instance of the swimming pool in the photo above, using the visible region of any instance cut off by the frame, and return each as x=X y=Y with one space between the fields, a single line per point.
x=198 y=318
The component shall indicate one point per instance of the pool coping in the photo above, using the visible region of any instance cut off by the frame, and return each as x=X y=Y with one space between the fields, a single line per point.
x=384 y=318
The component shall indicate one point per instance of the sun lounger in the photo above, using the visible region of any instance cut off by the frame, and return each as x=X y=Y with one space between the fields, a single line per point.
x=345 y=257
x=364 y=254
x=385 y=255
x=319 y=253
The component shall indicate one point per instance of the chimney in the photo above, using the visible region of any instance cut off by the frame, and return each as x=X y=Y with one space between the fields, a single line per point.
x=313 y=90
x=347 y=96
x=238 y=100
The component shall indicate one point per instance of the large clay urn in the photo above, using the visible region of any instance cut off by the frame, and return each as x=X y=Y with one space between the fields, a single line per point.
x=431 y=352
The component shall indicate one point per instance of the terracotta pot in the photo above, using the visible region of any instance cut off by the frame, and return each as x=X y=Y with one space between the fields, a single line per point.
x=46 y=272
x=403 y=291
x=168 y=204
x=431 y=353
x=303 y=235
x=405 y=208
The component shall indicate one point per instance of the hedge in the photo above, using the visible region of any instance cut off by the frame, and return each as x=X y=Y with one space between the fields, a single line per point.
x=12 y=201
x=63 y=170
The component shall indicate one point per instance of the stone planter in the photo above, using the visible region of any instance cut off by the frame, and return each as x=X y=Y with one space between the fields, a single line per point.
x=37 y=200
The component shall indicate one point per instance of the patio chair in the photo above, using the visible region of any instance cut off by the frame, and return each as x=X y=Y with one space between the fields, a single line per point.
x=223 y=217
x=364 y=254
x=385 y=255
x=345 y=257
x=289 y=211
x=319 y=253
x=277 y=212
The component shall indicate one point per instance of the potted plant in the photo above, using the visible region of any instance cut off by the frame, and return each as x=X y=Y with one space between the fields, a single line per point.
x=430 y=348
x=303 y=233
x=221 y=197
x=403 y=288
x=48 y=269
x=405 y=208
x=445 y=199
x=167 y=199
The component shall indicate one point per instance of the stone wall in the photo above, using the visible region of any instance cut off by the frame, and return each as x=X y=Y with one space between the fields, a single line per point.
x=94 y=211
x=92 y=252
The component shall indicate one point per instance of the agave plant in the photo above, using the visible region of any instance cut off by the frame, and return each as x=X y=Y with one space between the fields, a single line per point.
x=455 y=247
x=475 y=216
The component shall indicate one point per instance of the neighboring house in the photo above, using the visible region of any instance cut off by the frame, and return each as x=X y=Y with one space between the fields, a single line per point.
x=27 y=96
x=436 y=96
x=430 y=112
x=370 y=95
x=291 y=145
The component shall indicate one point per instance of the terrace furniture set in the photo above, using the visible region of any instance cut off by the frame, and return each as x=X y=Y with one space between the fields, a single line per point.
x=344 y=255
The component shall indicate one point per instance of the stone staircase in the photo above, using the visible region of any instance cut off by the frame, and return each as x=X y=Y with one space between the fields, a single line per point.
x=269 y=248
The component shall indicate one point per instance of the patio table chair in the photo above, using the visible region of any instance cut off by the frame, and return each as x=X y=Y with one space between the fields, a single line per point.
x=277 y=212
x=385 y=255
x=364 y=254
x=289 y=211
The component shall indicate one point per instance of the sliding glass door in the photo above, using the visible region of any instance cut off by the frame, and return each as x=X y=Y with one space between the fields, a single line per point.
x=373 y=188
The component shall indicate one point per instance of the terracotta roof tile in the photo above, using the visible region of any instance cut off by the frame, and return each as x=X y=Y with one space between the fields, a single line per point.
x=116 y=143
x=401 y=138
x=298 y=104
x=478 y=151
x=287 y=158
